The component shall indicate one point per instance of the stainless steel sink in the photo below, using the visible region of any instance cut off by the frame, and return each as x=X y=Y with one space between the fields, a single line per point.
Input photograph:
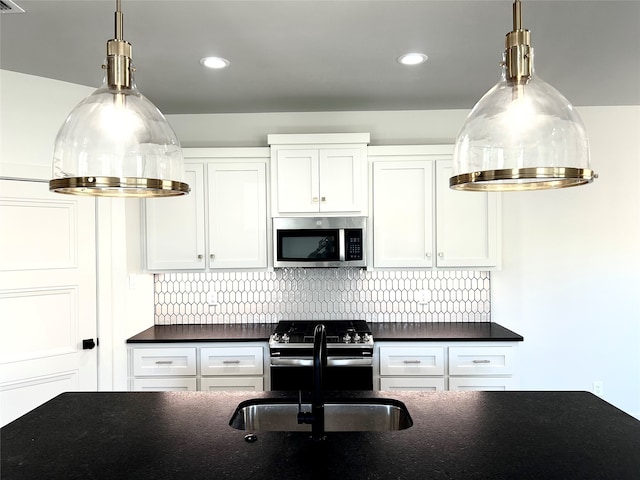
x=362 y=415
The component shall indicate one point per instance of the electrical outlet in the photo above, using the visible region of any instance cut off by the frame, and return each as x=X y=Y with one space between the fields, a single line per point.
x=212 y=299
x=598 y=388
x=424 y=296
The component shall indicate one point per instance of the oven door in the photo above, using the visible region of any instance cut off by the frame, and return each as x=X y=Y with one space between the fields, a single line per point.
x=294 y=378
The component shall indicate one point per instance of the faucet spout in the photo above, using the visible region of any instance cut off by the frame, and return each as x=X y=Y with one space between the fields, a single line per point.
x=319 y=362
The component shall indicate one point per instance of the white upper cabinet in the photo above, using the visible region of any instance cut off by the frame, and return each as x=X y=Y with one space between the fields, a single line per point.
x=175 y=227
x=221 y=223
x=419 y=222
x=403 y=213
x=466 y=224
x=318 y=174
x=237 y=215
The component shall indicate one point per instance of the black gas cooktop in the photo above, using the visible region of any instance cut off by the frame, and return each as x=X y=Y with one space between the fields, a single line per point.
x=301 y=331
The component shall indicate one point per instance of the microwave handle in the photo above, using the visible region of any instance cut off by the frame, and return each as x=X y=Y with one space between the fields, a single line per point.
x=341 y=241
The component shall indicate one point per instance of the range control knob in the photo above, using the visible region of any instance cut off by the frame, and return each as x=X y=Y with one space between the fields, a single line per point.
x=366 y=338
x=346 y=338
x=356 y=338
x=285 y=338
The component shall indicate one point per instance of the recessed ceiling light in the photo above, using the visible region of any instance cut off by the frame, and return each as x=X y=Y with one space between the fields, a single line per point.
x=412 y=58
x=214 y=62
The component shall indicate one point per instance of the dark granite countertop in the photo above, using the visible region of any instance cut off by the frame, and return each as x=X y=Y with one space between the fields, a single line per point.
x=443 y=331
x=456 y=435
x=258 y=332
x=485 y=331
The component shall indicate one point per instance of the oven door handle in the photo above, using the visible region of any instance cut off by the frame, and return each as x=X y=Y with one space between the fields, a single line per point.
x=331 y=361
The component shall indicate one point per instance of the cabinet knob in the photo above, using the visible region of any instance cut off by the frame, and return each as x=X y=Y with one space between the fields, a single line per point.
x=212 y=256
x=428 y=254
x=323 y=199
x=315 y=200
x=200 y=257
x=441 y=254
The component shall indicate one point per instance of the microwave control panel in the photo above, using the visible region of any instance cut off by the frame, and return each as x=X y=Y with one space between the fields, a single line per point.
x=353 y=244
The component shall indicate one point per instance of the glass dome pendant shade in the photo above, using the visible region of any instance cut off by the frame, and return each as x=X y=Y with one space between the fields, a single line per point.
x=522 y=134
x=116 y=142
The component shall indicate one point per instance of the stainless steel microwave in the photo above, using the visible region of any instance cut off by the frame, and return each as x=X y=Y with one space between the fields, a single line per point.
x=319 y=242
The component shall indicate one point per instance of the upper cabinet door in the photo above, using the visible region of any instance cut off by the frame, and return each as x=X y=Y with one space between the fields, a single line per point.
x=466 y=224
x=237 y=215
x=341 y=174
x=403 y=214
x=297 y=185
x=175 y=232
x=319 y=175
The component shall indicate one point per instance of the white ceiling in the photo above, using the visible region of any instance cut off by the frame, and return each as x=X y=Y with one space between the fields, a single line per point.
x=329 y=55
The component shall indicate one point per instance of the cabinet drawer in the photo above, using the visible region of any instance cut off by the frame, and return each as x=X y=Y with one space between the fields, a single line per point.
x=412 y=383
x=232 y=361
x=480 y=383
x=164 y=384
x=400 y=361
x=480 y=360
x=242 y=384
x=164 y=361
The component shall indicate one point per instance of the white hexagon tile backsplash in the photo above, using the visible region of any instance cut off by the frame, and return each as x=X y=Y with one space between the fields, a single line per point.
x=322 y=294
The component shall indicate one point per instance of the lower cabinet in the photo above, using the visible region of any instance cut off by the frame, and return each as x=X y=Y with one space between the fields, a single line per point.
x=205 y=366
x=445 y=366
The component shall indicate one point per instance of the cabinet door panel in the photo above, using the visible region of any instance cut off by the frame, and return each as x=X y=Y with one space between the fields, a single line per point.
x=466 y=224
x=400 y=361
x=240 y=384
x=340 y=173
x=480 y=383
x=231 y=361
x=412 y=383
x=297 y=181
x=175 y=227
x=481 y=361
x=164 y=385
x=164 y=361
x=403 y=214
x=237 y=215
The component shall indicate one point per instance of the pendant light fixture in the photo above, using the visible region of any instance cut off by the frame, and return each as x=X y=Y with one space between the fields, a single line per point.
x=116 y=142
x=522 y=134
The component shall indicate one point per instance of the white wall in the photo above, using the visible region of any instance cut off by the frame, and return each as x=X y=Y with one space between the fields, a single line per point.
x=570 y=281
x=32 y=109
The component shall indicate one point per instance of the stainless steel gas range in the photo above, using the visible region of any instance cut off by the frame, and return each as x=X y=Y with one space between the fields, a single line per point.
x=349 y=355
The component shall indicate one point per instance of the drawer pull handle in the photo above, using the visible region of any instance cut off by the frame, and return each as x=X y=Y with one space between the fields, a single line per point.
x=231 y=362
x=412 y=361
x=164 y=362
x=482 y=361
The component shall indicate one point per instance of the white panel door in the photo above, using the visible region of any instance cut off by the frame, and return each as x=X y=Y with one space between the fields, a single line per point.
x=47 y=295
x=402 y=214
x=466 y=224
x=237 y=215
x=175 y=231
x=297 y=184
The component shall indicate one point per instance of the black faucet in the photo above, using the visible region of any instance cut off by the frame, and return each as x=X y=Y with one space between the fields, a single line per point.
x=316 y=418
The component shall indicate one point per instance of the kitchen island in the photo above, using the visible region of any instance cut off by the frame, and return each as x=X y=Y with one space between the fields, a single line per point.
x=457 y=435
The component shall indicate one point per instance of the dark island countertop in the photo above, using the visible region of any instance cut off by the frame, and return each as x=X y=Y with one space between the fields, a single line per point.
x=456 y=435
x=435 y=331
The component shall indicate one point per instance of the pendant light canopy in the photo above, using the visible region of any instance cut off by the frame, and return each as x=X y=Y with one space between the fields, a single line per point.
x=522 y=134
x=116 y=142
